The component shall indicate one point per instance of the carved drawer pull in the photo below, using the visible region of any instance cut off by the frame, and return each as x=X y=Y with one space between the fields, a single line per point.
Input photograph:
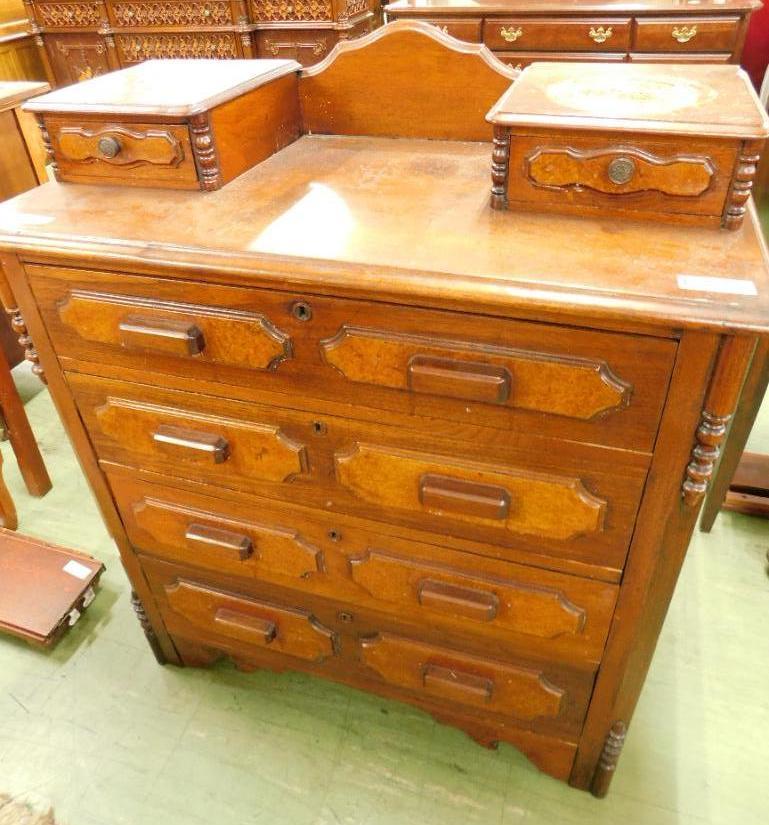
x=683 y=34
x=510 y=34
x=600 y=34
x=466 y=498
x=179 y=442
x=453 y=684
x=209 y=536
x=162 y=334
x=464 y=601
x=261 y=631
x=473 y=381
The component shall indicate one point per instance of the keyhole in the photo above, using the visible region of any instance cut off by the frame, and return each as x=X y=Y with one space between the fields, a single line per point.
x=318 y=427
x=301 y=311
x=334 y=535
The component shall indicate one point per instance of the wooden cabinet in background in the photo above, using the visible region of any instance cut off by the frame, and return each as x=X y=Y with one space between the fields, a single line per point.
x=19 y=57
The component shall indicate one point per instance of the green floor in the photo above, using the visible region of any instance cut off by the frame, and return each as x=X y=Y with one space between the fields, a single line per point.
x=100 y=731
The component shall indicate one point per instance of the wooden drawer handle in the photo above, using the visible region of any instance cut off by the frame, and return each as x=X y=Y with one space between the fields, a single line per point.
x=263 y=630
x=466 y=498
x=179 y=441
x=464 y=601
x=453 y=684
x=237 y=543
x=162 y=335
x=459 y=379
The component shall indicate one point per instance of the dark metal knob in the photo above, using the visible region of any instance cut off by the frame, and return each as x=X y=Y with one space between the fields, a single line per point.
x=109 y=147
x=621 y=170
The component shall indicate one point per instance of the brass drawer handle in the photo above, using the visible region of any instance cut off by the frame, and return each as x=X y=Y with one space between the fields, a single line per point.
x=683 y=34
x=208 y=536
x=600 y=34
x=453 y=684
x=263 y=631
x=109 y=147
x=510 y=34
x=464 y=601
x=470 y=380
x=467 y=498
x=162 y=334
x=179 y=442
x=621 y=170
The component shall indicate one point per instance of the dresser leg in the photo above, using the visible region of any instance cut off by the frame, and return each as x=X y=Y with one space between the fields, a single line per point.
x=607 y=764
x=147 y=628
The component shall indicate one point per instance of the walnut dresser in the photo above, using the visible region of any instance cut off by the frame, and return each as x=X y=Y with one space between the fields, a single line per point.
x=343 y=417
x=79 y=39
x=522 y=31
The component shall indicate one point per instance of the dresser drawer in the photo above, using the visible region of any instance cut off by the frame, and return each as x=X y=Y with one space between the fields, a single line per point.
x=468 y=29
x=557 y=34
x=512 y=605
x=495 y=687
x=503 y=496
x=598 y=387
x=686 y=34
x=64 y=15
x=154 y=14
x=520 y=60
x=137 y=47
x=128 y=153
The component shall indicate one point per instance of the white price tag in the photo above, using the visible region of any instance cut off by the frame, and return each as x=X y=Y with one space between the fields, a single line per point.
x=79 y=571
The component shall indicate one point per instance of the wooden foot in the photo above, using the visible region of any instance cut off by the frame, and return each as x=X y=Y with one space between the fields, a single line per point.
x=147 y=628
x=607 y=764
x=8 y=518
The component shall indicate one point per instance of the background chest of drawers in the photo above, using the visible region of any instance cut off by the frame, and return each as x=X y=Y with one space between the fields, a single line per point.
x=79 y=39
x=521 y=31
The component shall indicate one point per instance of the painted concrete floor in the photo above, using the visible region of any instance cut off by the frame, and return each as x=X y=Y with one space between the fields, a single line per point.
x=108 y=737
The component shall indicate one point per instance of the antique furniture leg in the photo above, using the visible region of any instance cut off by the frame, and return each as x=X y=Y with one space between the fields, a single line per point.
x=8 y=519
x=744 y=418
x=607 y=764
x=144 y=621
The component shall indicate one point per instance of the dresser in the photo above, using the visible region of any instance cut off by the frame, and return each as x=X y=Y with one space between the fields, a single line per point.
x=342 y=417
x=522 y=31
x=79 y=39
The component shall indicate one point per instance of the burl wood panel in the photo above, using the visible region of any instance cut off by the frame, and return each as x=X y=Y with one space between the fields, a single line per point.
x=606 y=388
x=463 y=84
x=480 y=599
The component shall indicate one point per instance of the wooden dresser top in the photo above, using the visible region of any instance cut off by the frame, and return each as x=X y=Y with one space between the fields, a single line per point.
x=14 y=92
x=402 y=219
x=635 y=7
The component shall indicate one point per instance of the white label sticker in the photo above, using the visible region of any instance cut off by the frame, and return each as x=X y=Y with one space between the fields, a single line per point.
x=727 y=286
x=74 y=568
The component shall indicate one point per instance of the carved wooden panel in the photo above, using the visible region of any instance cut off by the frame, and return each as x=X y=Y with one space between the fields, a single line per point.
x=65 y=15
x=242 y=619
x=198 y=13
x=77 y=57
x=619 y=170
x=134 y=48
x=458 y=677
x=195 y=444
x=515 y=501
x=159 y=146
x=307 y=46
x=215 y=335
x=242 y=547
x=292 y=10
x=522 y=607
x=545 y=382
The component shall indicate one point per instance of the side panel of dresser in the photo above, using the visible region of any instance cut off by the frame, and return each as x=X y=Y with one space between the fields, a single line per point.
x=143 y=602
x=704 y=393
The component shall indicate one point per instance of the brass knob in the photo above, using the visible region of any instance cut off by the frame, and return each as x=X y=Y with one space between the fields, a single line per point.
x=109 y=147
x=511 y=35
x=621 y=170
x=683 y=34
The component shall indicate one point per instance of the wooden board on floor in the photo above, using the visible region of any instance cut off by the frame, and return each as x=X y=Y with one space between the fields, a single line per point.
x=43 y=588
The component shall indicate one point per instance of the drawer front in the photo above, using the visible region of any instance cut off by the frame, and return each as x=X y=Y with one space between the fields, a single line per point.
x=686 y=34
x=504 y=498
x=557 y=34
x=642 y=176
x=135 y=48
x=306 y=46
x=468 y=29
x=280 y=10
x=520 y=60
x=63 y=15
x=151 y=13
x=247 y=621
x=603 y=388
x=522 y=692
x=469 y=596
x=133 y=154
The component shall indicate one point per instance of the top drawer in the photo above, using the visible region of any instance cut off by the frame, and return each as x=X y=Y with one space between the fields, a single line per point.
x=203 y=13
x=599 y=387
x=557 y=34
x=686 y=34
